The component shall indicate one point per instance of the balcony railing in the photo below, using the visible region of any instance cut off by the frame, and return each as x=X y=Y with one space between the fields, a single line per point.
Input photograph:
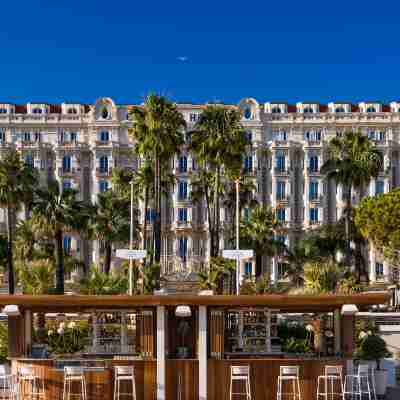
x=104 y=171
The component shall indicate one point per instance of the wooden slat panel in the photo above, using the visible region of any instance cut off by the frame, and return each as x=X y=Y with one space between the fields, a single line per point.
x=182 y=380
x=264 y=375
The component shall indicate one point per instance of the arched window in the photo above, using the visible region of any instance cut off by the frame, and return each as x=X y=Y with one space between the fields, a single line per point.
x=3 y=110
x=340 y=109
x=66 y=163
x=72 y=110
x=104 y=136
x=37 y=111
x=103 y=164
x=104 y=113
x=308 y=110
x=103 y=186
x=183 y=164
x=276 y=110
x=371 y=109
x=247 y=113
x=67 y=244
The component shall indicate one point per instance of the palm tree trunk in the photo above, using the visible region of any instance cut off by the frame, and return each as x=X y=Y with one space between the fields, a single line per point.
x=10 y=264
x=107 y=261
x=146 y=204
x=216 y=214
x=347 y=221
x=157 y=236
x=59 y=261
x=258 y=265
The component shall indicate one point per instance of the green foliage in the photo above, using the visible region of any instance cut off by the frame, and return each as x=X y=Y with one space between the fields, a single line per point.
x=3 y=342
x=36 y=277
x=68 y=338
x=258 y=286
x=3 y=252
x=372 y=347
x=378 y=219
x=322 y=277
x=151 y=278
x=212 y=278
x=100 y=283
x=294 y=338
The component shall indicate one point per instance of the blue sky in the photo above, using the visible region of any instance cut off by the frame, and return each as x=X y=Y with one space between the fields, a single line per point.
x=54 y=51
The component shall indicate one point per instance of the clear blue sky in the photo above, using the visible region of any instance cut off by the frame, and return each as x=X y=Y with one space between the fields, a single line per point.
x=289 y=50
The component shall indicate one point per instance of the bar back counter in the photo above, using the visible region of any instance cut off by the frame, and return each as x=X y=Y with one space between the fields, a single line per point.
x=182 y=347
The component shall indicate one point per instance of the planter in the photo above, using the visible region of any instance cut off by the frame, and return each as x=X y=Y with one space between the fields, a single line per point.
x=381 y=378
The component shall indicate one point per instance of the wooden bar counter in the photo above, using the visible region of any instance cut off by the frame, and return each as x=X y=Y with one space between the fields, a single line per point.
x=99 y=381
x=264 y=374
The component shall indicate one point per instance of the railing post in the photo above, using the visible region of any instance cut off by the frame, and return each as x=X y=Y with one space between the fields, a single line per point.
x=202 y=353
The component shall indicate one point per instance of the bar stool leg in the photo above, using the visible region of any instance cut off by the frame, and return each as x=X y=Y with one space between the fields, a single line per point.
x=133 y=389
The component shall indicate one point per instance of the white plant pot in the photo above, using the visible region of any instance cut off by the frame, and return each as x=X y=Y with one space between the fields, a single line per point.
x=381 y=378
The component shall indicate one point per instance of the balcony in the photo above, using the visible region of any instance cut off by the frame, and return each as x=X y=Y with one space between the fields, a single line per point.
x=182 y=225
x=68 y=171
x=71 y=144
x=281 y=171
x=106 y=143
x=281 y=199
x=313 y=171
x=316 y=199
x=102 y=172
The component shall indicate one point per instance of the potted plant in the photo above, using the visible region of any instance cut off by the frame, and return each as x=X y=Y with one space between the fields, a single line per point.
x=373 y=348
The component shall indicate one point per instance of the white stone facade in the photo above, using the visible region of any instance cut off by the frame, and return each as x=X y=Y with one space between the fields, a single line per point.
x=80 y=145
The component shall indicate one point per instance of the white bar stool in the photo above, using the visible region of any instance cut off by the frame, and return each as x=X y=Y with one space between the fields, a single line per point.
x=240 y=374
x=333 y=375
x=8 y=387
x=289 y=374
x=124 y=374
x=31 y=385
x=74 y=375
x=358 y=384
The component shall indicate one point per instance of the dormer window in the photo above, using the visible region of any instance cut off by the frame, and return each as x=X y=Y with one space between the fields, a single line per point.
x=247 y=114
x=308 y=110
x=37 y=111
x=104 y=113
x=3 y=111
x=340 y=109
x=276 y=110
x=72 y=110
x=371 y=109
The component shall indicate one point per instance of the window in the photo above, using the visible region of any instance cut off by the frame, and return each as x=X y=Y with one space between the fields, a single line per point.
x=313 y=190
x=313 y=164
x=308 y=110
x=67 y=184
x=103 y=186
x=282 y=269
x=379 y=270
x=104 y=113
x=193 y=164
x=183 y=247
x=380 y=187
x=314 y=136
x=150 y=215
x=3 y=110
x=37 y=111
x=280 y=162
x=67 y=244
x=29 y=161
x=276 y=110
x=279 y=135
x=182 y=214
x=371 y=109
x=27 y=136
x=281 y=190
x=103 y=164
x=182 y=191
x=248 y=163
x=104 y=136
x=248 y=268
x=247 y=114
x=193 y=117
x=38 y=137
x=340 y=109
x=249 y=136
x=66 y=164
x=247 y=214
x=72 y=110
x=183 y=164
x=73 y=136
x=281 y=214
x=313 y=215
x=2 y=136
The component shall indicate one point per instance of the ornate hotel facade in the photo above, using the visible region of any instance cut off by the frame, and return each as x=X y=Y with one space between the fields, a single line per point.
x=80 y=145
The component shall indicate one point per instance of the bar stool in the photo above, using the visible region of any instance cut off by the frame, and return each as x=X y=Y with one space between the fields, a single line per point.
x=8 y=387
x=240 y=374
x=31 y=385
x=289 y=374
x=333 y=374
x=358 y=384
x=74 y=375
x=124 y=374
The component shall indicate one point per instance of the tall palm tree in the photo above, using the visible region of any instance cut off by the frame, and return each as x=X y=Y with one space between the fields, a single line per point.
x=17 y=180
x=258 y=233
x=158 y=134
x=57 y=211
x=352 y=163
x=111 y=222
x=218 y=141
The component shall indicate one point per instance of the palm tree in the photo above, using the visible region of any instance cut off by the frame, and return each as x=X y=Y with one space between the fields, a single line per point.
x=258 y=233
x=101 y=283
x=353 y=162
x=16 y=181
x=57 y=211
x=25 y=241
x=111 y=222
x=158 y=135
x=218 y=142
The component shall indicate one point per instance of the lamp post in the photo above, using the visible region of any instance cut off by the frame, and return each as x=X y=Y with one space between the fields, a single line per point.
x=131 y=243
x=237 y=236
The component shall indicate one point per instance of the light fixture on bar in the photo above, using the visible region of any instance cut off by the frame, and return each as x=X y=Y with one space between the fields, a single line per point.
x=183 y=311
x=11 y=310
x=349 y=309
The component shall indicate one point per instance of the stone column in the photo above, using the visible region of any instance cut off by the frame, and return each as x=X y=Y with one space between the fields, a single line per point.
x=202 y=353
x=372 y=272
x=348 y=329
x=160 y=353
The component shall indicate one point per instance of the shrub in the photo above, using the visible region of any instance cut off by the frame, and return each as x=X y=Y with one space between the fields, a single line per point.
x=372 y=347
